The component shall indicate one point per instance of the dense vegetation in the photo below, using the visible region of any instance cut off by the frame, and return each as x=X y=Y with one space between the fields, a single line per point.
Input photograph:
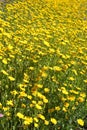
x=43 y=65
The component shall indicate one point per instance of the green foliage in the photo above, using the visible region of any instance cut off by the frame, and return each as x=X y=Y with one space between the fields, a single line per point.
x=43 y=65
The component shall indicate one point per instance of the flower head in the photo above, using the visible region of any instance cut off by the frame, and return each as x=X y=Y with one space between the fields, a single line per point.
x=80 y=122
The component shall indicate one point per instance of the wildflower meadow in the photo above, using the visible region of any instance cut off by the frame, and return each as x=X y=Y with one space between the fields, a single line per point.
x=43 y=65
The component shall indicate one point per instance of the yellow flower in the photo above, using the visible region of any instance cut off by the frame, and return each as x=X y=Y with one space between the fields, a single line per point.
x=57 y=108
x=35 y=119
x=83 y=95
x=64 y=109
x=34 y=102
x=41 y=116
x=75 y=72
x=73 y=91
x=23 y=105
x=36 y=125
x=5 y=61
x=65 y=92
x=22 y=94
x=31 y=105
x=29 y=96
x=40 y=102
x=38 y=107
x=31 y=68
x=14 y=92
x=4 y=72
x=46 y=122
x=56 y=68
x=71 y=78
x=39 y=85
x=73 y=62
x=6 y=108
x=10 y=47
x=45 y=100
x=46 y=43
x=20 y=115
x=54 y=121
x=46 y=90
x=40 y=95
x=66 y=104
x=80 y=122
x=51 y=50
x=8 y=113
x=71 y=98
x=11 y=78
x=85 y=81
x=28 y=120
x=10 y=102
x=81 y=99
x=44 y=74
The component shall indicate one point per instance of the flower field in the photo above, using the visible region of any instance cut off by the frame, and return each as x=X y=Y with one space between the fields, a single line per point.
x=43 y=65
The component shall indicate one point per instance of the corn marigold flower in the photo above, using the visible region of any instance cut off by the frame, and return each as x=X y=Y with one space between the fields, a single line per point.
x=80 y=122
x=46 y=122
x=46 y=90
x=71 y=78
x=28 y=120
x=4 y=72
x=38 y=107
x=35 y=119
x=46 y=43
x=10 y=103
x=56 y=68
x=57 y=108
x=85 y=81
x=45 y=100
x=36 y=125
x=54 y=121
x=41 y=116
x=11 y=78
x=83 y=95
x=5 y=61
x=20 y=115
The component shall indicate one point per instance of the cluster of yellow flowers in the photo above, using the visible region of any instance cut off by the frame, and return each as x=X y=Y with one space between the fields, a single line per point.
x=43 y=64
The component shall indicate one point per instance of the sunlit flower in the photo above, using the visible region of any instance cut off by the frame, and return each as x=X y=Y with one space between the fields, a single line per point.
x=11 y=78
x=4 y=72
x=10 y=102
x=35 y=119
x=57 y=108
x=20 y=115
x=36 y=125
x=71 y=78
x=66 y=104
x=54 y=121
x=46 y=122
x=46 y=43
x=57 y=68
x=5 y=61
x=38 y=107
x=46 y=90
x=27 y=120
x=45 y=100
x=80 y=122
x=41 y=116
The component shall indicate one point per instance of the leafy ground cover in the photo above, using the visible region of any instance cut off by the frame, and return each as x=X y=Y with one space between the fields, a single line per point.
x=43 y=65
